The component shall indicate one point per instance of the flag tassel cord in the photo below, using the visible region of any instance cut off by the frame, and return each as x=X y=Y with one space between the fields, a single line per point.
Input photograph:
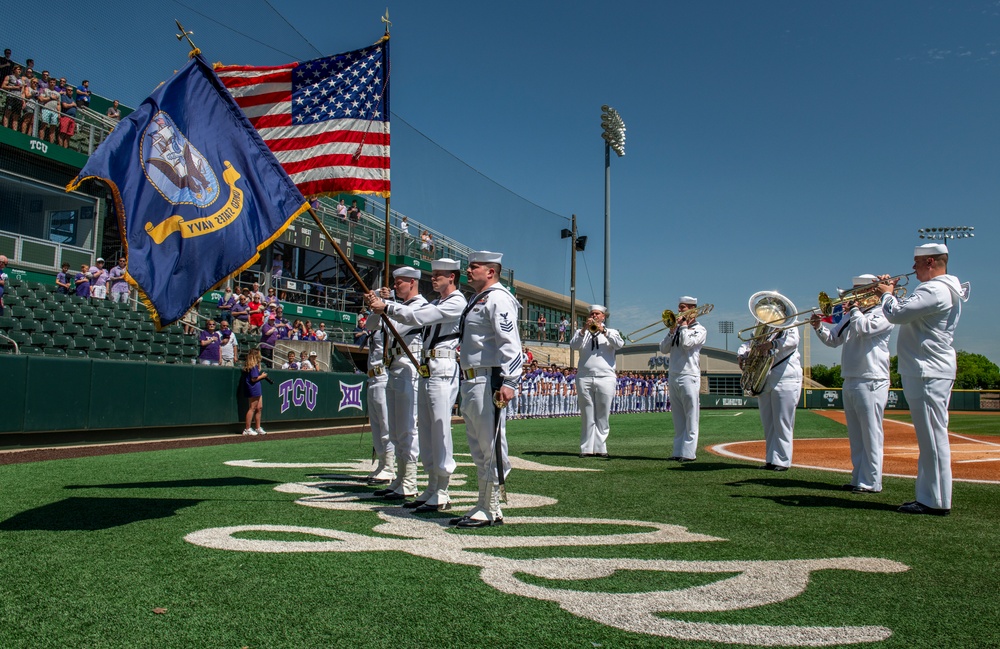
x=364 y=287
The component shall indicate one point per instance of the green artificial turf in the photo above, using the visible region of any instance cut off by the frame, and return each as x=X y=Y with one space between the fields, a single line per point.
x=90 y=547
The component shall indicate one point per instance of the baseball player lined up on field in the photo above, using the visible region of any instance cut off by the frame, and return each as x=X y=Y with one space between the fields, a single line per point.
x=684 y=342
x=863 y=334
x=438 y=383
x=596 y=380
x=491 y=363
x=927 y=320
x=401 y=390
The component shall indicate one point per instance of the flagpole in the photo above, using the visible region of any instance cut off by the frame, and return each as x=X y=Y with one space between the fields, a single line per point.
x=364 y=287
x=387 y=238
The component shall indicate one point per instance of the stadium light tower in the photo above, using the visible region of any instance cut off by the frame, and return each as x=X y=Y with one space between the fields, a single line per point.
x=578 y=243
x=955 y=232
x=614 y=138
x=726 y=327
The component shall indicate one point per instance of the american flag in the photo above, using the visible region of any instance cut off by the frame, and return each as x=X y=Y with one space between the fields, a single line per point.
x=326 y=120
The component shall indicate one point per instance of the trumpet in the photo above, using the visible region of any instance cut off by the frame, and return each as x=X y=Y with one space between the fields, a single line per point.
x=668 y=320
x=594 y=328
x=866 y=295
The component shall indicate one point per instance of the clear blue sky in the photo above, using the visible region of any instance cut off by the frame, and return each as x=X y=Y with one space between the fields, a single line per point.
x=770 y=145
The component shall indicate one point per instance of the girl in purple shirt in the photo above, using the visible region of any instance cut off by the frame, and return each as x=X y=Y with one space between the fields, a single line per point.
x=252 y=376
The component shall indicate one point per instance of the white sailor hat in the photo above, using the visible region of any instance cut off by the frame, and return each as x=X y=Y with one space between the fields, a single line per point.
x=929 y=249
x=863 y=280
x=445 y=264
x=599 y=307
x=687 y=299
x=407 y=272
x=485 y=257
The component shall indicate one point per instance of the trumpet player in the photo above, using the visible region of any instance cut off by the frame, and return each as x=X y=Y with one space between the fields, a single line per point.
x=927 y=319
x=683 y=343
x=863 y=334
x=780 y=395
x=596 y=380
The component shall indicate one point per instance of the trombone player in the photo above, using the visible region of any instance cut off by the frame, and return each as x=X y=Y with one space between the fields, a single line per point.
x=684 y=342
x=596 y=380
x=863 y=336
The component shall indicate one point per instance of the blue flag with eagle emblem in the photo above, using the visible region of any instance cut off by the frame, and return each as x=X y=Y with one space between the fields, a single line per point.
x=198 y=193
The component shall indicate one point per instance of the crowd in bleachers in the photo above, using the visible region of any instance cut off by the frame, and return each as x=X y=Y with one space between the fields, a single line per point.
x=28 y=94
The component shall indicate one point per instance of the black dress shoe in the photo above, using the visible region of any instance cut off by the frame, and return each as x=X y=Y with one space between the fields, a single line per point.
x=472 y=523
x=766 y=467
x=382 y=492
x=413 y=504
x=457 y=520
x=917 y=508
x=604 y=455
x=685 y=459
x=863 y=490
x=847 y=487
x=775 y=467
x=673 y=458
x=392 y=495
x=444 y=507
x=583 y=455
x=374 y=481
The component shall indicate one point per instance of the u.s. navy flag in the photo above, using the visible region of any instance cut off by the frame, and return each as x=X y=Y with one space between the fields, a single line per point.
x=327 y=120
x=198 y=193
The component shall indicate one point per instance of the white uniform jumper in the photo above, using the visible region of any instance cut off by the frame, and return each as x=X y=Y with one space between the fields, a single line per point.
x=684 y=347
x=780 y=396
x=437 y=393
x=401 y=395
x=378 y=413
x=927 y=366
x=864 y=364
x=490 y=357
x=595 y=386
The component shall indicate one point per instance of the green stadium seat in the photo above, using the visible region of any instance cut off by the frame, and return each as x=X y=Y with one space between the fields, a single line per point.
x=22 y=338
x=117 y=356
x=140 y=348
x=131 y=325
x=52 y=306
x=30 y=324
x=160 y=337
x=157 y=348
x=41 y=340
x=53 y=351
x=79 y=301
x=35 y=286
x=104 y=344
x=61 y=316
x=52 y=328
x=115 y=323
x=174 y=350
x=83 y=342
x=8 y=323
x=109 y=332
x=31 y=303
x=121 y=307
x=147 y=325
x=95 y=353
x=42 y=314
x=80 y=319
x=90 y=330
x=71 y=329
x=23 y=291
x=76 y=353
x=31 y=351
x=125 y=334
x=175 y=339
x=14 y=282
x=63 y=341
x=143 y=336
x=21 y=313
x=173 y=360
x=189 y=352
x=137 y=357
x=59 y=298
x=97 y=320
x=155 y=359
x=87 y=309
x=123 y=346
x=104 y=312
x=137 y=316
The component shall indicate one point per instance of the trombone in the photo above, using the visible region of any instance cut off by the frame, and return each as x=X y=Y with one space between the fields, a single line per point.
x=668 y=320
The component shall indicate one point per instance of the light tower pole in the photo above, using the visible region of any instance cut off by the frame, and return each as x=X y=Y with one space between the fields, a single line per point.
x=614 y=138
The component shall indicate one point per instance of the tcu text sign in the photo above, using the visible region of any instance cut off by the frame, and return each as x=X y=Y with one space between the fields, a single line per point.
x=298 y=392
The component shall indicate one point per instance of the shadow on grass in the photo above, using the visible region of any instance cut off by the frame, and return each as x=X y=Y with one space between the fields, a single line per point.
x=698 y=466
x=826 y=502
x=576 y=456
x=235 y=481
x=785 y=484
x=90 y=514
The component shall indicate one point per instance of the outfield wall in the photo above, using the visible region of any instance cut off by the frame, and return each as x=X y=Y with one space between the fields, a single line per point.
x=832 y=399
x=41 y=394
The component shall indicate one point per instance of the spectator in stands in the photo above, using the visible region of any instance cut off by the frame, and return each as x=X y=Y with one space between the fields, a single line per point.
x=563 y=326
x=98 y=280
x=119 y=285
x=268 y=338
x=48 y=126
x=29 y=63
x=256 y=312
x=62 y=280
x=292 y=363
x=114 y=112
x=82 y=281
x=60 y=85
x=272 y=297
x=241 y=315
x=3 y=280
x=529 y=358
x=277 y=267
x=256 y=292
x=281 y=323
x=67 y=121
x=342 y=210
x=46 y=81
x=6 y=64
x=210 y=342
x=12 y=84
x=354 y=214
x=307 y=331
x=83 y=94
x=228 y=345
x=190 y=319
x=314 y=361
x=541 y=327
x=29 y=95
x=426 y=245
x=251 y=384
x=321 y=332
x=304 y=363
x=225 y=305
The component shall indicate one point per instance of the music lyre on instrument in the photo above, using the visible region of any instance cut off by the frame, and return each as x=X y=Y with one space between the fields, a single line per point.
x=668 y=320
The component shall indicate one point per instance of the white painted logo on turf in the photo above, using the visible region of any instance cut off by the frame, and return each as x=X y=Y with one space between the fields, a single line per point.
x=756 y=583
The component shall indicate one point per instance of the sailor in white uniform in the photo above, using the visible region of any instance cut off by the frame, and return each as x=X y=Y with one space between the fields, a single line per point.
x=378 y=412
x=779 y=397
x=401 y=392
x=438 y=383
x=596 y=380
x=927 y=320
x=683 y=343
x=864 y=334
x=491 y=364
